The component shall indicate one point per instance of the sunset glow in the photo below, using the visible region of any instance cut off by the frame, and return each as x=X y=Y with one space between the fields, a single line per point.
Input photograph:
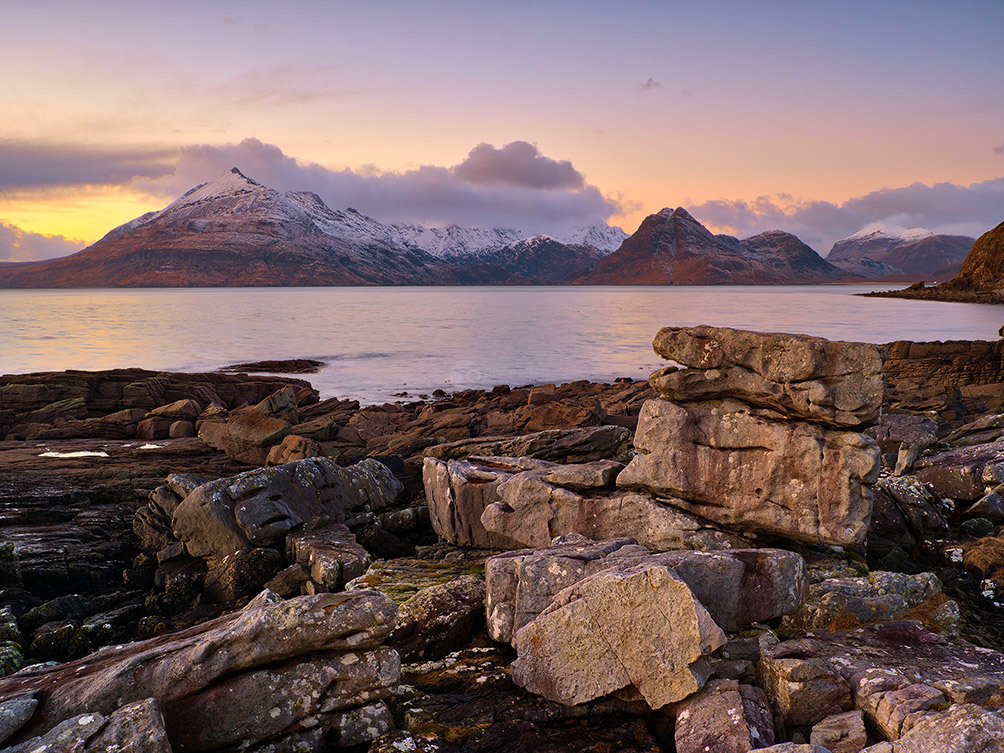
x=653 y=104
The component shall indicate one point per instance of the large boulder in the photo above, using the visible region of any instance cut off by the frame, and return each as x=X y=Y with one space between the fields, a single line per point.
x=274 y=668
x=836 y=383
x=725 y=462
x=898 y=673
x=963 y=473
x=738 y=586
x=636 y=628
x=260 y=507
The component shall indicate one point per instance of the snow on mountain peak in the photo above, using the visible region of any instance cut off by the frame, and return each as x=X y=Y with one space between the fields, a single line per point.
x=881 y=229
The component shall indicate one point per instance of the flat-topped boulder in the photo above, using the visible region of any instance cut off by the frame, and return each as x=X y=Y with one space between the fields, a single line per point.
x=729 y=463
x=830 y=382
x=260 y=507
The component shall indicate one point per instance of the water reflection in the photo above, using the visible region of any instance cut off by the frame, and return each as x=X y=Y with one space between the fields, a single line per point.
x=380 y=341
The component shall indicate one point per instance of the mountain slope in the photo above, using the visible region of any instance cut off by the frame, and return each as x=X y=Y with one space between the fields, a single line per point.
x=879 y=251
x=235 y=232
x=983 y=268
x=672 y=248
x=542 y=260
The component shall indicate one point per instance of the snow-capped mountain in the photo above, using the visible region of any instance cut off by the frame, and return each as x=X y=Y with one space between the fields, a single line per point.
x=236 y=231
x=602 y=237
x=887 y=251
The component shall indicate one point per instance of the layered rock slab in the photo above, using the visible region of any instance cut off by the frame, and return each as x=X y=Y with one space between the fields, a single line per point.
x=534 y=506
x=725 y=462
x=836 y=383
x=583 y=646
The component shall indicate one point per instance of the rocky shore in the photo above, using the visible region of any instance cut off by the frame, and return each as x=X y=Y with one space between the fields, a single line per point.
x=778 y=543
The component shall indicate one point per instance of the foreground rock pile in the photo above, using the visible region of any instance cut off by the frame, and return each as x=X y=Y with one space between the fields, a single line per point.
x=770 y=562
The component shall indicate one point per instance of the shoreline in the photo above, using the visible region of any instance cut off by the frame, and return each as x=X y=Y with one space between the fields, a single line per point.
x=103 y=477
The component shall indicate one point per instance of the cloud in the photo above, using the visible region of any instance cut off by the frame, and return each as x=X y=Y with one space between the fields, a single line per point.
x=942 y=208
x=37 y=164
x=22 y=245
x=517 y=164
x=999 y=149
x=279 y=86
x=649 y=85
x=512 y=186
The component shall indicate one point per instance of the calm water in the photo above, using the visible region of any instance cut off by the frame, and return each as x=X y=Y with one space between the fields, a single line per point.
x=380 y=341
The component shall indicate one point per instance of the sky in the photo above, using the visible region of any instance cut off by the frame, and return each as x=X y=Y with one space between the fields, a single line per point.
x=819 y=118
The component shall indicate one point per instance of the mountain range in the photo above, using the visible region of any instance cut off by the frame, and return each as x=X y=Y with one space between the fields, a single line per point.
x=900 y=254
x=234 y=231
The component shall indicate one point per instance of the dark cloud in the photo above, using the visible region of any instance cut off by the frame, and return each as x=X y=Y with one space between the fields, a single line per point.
x=527 y=190
x=999 y=149
x=21 y=245
x=942 y=208
x=517 y=164
x=27 y=165
x=650 y=85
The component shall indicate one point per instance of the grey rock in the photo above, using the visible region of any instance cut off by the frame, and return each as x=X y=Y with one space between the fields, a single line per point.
x=439 y=618
x=802 y=691
x=136 y=727
x=963 y=728
x=457 y=493
x=738 y=587
x=14 y=712
x=278 y=700
x=842 y=603
x=329 y=554
x=896 y=429
x=919 y=505
x=260 y=507
x=530 y=512
x=959 y=474
x=169 y=668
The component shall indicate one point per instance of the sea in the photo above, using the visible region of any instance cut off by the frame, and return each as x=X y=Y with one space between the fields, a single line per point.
x=398 y=343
